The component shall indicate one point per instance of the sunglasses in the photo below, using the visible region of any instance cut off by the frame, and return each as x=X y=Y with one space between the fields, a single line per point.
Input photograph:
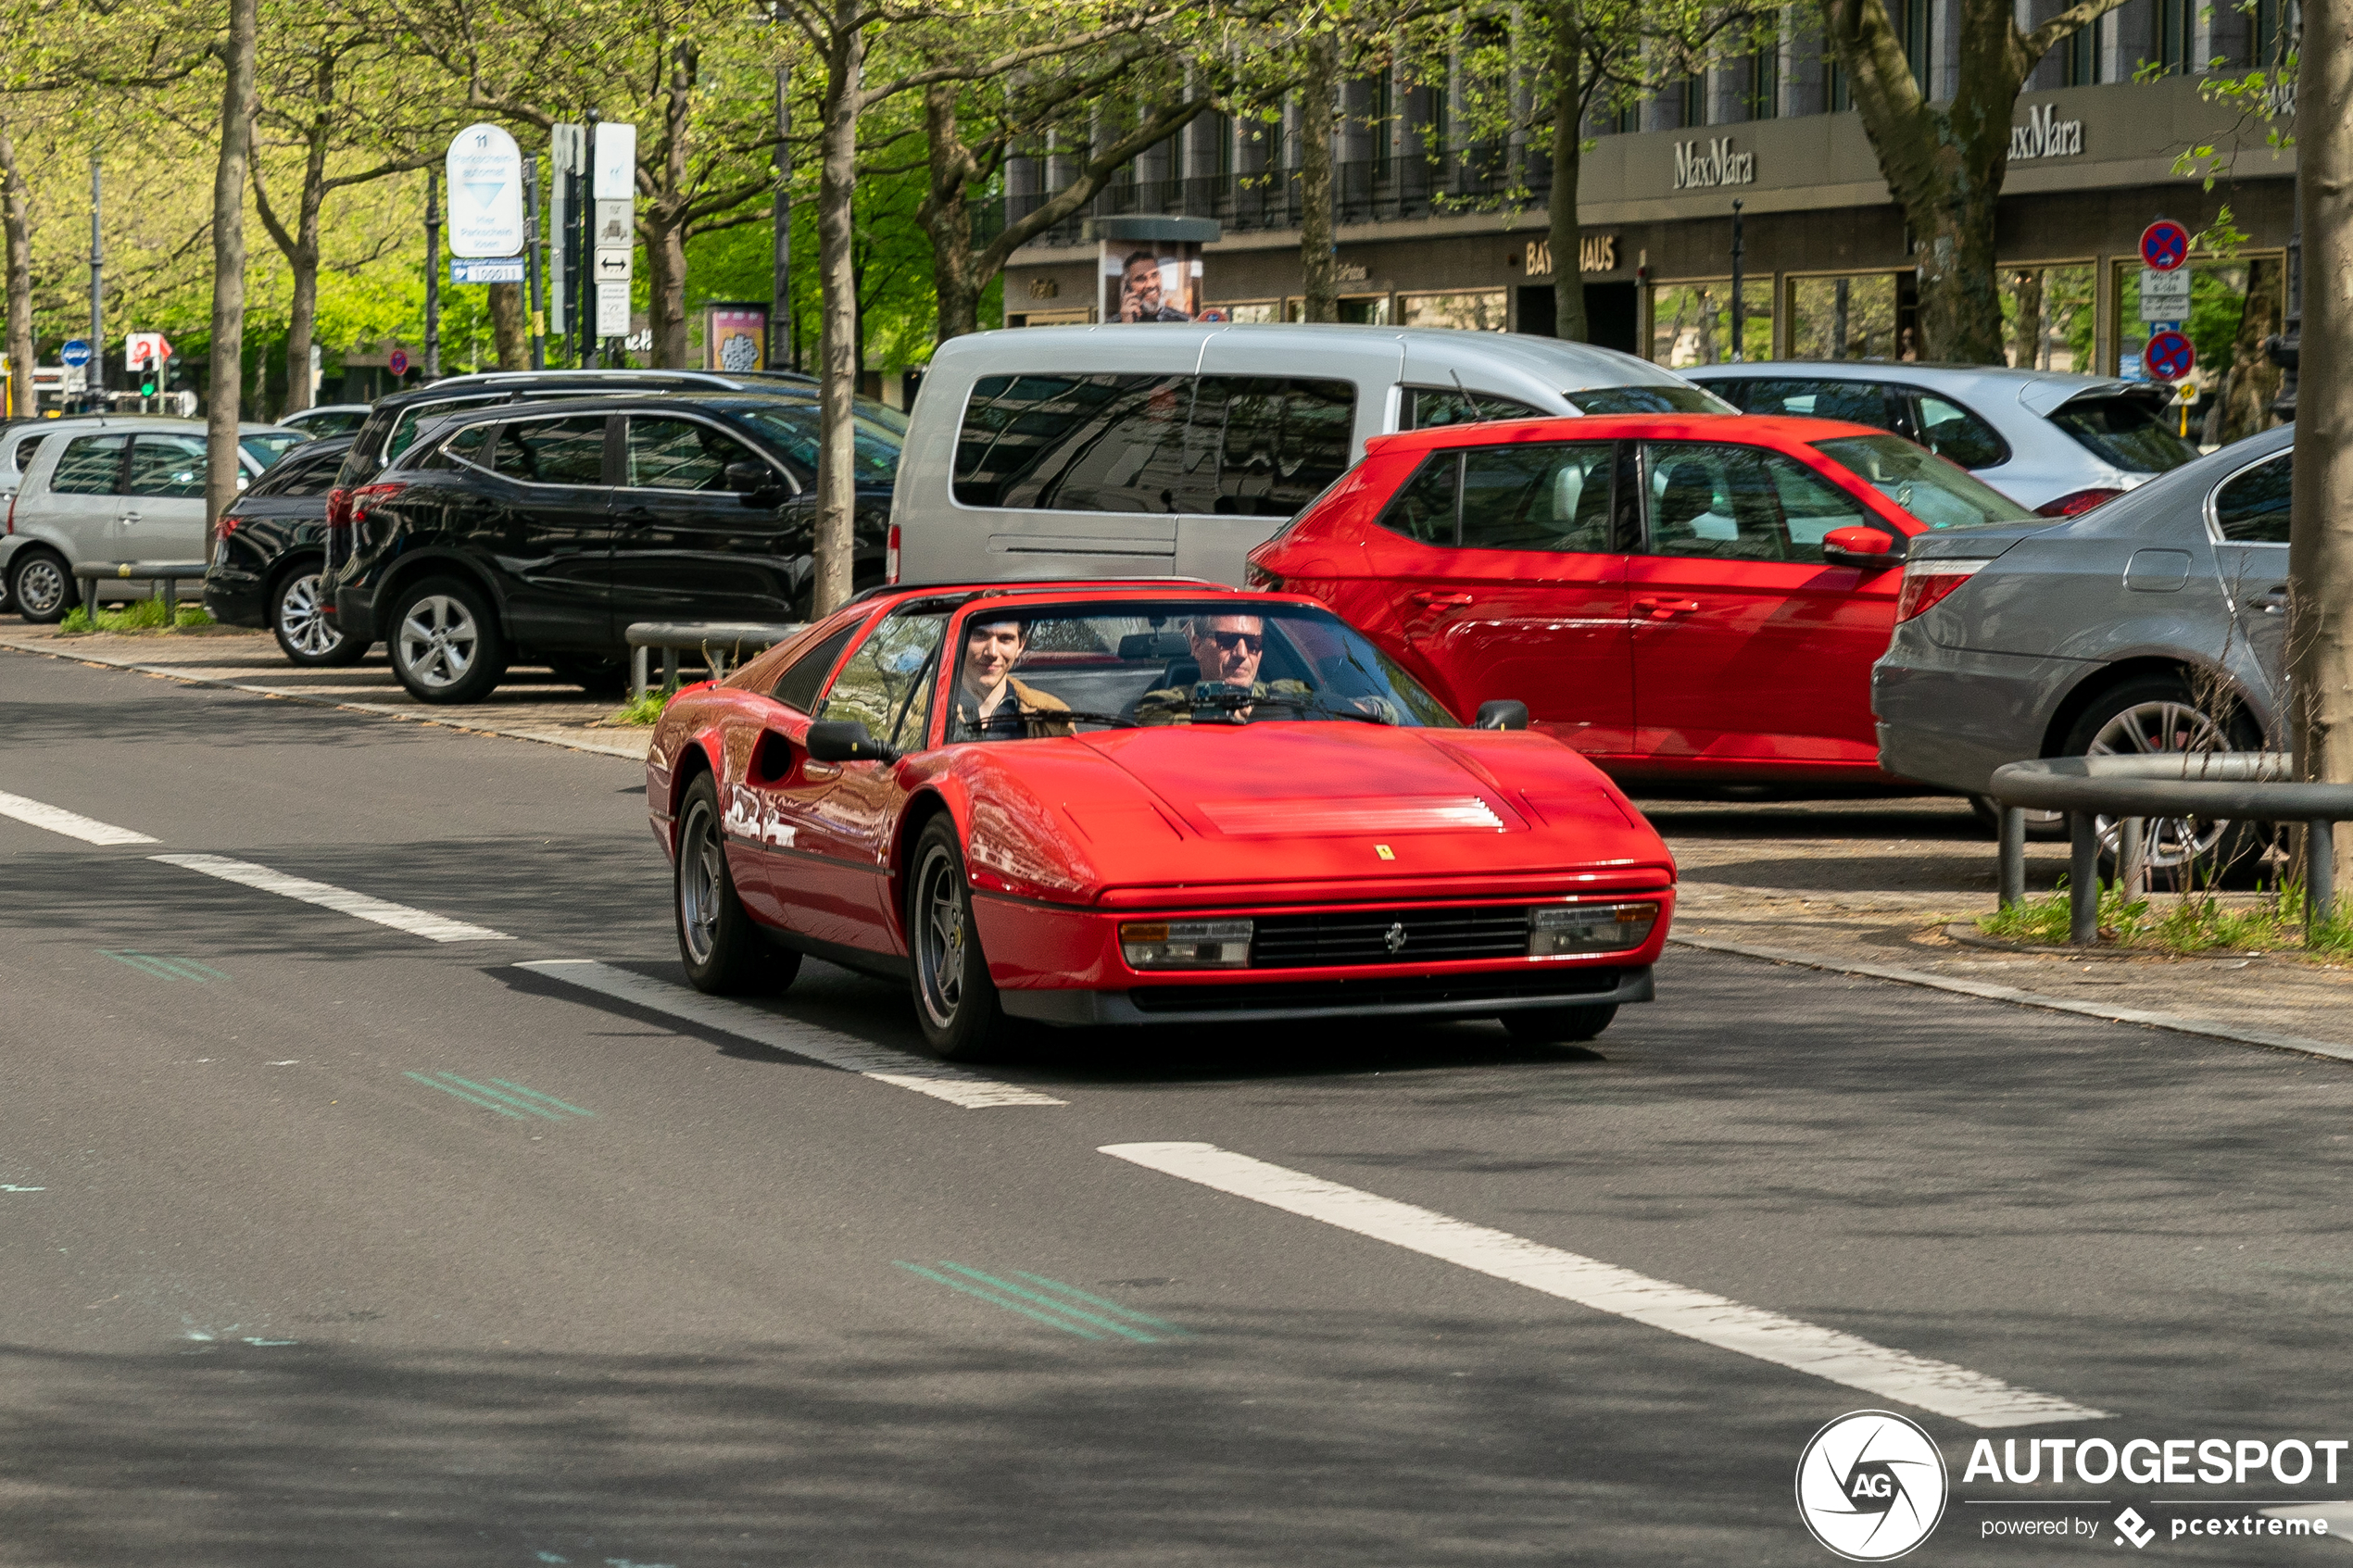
x=1231 y=640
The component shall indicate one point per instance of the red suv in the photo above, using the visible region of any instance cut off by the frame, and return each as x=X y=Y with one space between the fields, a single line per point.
x=1678 y=596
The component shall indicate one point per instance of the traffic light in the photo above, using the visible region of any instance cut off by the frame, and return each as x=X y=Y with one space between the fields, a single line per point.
x=147 y=379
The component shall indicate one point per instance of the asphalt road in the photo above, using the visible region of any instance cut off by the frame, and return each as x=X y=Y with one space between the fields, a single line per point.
x=328 y=1241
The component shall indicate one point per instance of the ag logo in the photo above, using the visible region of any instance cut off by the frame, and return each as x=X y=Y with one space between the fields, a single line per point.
x=1871 y=1486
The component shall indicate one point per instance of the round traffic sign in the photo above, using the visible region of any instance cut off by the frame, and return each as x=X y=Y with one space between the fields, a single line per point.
x=2168 y=356
x=398 y=363
x=2165 y=244
x=75 y=354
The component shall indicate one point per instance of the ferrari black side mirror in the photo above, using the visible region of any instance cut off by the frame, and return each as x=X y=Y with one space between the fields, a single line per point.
x=1502 y=713
x=845 y=741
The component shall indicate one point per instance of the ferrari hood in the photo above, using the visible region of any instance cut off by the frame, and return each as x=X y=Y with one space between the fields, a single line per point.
x=1292 y=781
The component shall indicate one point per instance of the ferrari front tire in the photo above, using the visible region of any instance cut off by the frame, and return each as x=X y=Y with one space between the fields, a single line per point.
x=1560 y=1025
x=723 y=950
x=955 y=1001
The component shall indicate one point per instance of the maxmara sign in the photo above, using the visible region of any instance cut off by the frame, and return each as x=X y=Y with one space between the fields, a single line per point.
x=2045 y=135
x=1699 y=165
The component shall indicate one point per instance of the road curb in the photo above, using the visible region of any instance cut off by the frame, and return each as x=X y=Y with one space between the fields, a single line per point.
x=1984 y=991
x=374 y=710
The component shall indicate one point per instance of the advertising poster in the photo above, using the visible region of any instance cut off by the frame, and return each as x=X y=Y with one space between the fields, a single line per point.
x=735 y=337
x=1152 y=279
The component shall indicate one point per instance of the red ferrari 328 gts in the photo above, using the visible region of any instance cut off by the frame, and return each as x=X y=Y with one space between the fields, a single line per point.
x=1085 y=803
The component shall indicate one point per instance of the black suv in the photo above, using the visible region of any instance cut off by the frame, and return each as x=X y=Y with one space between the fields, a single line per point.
x=271 y=558
x=545 y=529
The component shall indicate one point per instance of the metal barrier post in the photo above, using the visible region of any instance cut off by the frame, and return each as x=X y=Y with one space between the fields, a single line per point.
x=2132 y=857
x=669 y=668
x=171 y=601
x=2083 y=879
x=638 y=657
x=2319 y=873
x=2013 y=855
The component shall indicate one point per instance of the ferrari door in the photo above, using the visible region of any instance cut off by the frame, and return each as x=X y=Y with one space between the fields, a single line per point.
x=1746 y=648
x=828 y=827
x=1508 y=577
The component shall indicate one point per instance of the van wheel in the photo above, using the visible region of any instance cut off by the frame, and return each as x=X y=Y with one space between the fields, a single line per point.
x=444 y=646
x=41 y=587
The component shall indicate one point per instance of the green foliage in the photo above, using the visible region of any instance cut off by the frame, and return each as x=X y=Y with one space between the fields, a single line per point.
x=2195 y=922
x=139 y=615
x=645 y=709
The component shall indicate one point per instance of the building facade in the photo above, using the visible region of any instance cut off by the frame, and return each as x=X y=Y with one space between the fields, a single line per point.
x=1434 y=232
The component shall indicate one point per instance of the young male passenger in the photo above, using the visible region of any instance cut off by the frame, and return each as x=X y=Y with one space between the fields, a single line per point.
x=991 y=705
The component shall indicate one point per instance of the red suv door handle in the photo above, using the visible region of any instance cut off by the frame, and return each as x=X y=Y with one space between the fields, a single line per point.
x=1432 y=597
x=1667 y=606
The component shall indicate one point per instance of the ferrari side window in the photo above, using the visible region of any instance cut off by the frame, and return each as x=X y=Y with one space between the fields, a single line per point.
x=884 y=684
x=805 y=677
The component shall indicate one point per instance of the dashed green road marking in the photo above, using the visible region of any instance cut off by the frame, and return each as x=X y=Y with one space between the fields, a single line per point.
x=508 y=1099
x=1056 y=1309
x=161 y=968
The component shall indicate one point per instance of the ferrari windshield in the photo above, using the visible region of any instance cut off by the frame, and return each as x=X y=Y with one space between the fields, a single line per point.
x=1061 y=670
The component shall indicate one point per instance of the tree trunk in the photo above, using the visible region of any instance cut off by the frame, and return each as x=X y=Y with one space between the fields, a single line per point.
x=2026 y=329
x=506 y=326
x=1319 y=258
x=2320 y=526
x=16 y=217
x=946 y=214
x=666 y=289
x=837 y=349
x=223 y=469
x=1568 y=235
x=2254 y=381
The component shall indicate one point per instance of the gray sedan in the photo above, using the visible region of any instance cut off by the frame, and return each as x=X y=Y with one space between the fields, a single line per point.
x=2157 y=622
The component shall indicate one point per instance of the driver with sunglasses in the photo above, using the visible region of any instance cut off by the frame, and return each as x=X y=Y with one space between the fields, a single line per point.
x=1228 y=648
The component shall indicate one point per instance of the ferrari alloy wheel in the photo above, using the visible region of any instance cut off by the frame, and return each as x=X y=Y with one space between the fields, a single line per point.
x=1560 y=1025
x=41 y=588
x=723 y=950
x=444 y=646
x=955 y=1002
x=2156 y=714
x=307 y=633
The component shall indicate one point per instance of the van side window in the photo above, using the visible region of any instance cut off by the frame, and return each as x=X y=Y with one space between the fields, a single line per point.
x=92 y=466
x=1079 y=443
x=1279 y=442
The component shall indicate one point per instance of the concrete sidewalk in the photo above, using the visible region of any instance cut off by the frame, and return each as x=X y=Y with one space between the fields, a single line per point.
x=1868 y=888
x=531 y=704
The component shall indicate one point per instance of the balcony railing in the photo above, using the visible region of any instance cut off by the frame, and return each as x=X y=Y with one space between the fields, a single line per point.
x=1367 y=192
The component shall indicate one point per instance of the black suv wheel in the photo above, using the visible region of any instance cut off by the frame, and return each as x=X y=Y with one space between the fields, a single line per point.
x=444 y=642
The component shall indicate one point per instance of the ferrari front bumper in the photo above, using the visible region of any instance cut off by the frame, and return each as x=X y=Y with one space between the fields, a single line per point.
x=1468 y=994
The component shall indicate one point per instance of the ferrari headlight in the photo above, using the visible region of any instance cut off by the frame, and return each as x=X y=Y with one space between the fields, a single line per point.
x=1185 y=943
x=1587 y=928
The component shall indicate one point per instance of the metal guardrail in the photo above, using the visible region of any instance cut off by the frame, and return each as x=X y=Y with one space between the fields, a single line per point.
x=167 y=577
x=719 y=642
x=2246 y=785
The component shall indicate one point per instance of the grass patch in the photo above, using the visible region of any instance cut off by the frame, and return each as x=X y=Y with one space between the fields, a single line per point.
x=645 y=709
x=139 y=615
x=2198 y=922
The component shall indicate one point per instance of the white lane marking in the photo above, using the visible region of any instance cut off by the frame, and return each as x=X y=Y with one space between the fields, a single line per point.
x=817 y=1043
x=400 y=917
x=1821 y=1352
x=56 y=819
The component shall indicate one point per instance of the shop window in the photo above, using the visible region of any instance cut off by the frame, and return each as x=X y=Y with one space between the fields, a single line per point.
x=2047 y=318
x=1763 y=94
x=1479 y=310
x=1244 y=310
x=1368 y=310
x=2176 y=35
x=1691 y=323
x=1843 y=318
x=2080 y=55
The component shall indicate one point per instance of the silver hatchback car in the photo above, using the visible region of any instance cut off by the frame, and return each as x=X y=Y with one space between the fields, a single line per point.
x=2157 y=622
x=2057 y=443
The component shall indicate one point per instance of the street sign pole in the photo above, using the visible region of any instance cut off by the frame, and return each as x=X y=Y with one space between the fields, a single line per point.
x=531 y=248
x=432 y=274
x=584 y=297
x=95 y=391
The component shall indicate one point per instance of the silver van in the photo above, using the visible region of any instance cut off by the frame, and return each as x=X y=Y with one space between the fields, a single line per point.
x=1171 y=450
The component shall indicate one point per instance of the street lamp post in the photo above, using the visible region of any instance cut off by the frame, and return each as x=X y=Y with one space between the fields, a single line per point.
x=432 y=274
x=1740 y=311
